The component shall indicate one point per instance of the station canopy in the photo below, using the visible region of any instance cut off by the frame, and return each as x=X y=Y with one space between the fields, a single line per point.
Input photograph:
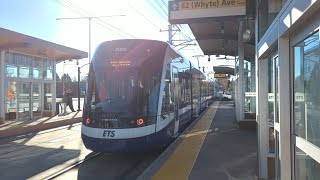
x=10 y=40
x=218 y=25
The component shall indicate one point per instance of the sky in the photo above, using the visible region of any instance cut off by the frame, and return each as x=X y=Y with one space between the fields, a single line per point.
x=142 y=19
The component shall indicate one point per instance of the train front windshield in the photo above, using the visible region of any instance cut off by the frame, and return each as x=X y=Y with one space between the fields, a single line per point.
x=120 y=98
x=120 y=91
x=124 y=84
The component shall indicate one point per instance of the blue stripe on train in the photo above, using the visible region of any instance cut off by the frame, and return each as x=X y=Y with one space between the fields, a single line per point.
x=142 y=144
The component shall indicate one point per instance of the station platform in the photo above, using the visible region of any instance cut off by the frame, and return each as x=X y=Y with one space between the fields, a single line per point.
x=21 y=127
x=213 y=147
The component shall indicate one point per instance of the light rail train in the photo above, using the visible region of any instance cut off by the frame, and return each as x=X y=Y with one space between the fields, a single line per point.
x=140 y=95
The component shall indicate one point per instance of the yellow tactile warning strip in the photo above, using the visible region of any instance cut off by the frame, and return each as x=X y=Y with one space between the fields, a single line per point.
x=180 y=162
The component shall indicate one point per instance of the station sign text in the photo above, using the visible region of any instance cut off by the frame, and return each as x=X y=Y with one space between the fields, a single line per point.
x=209 y=4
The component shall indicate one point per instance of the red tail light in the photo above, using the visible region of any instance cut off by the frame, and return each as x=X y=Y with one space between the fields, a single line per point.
x=88 y=121
x=139 y=122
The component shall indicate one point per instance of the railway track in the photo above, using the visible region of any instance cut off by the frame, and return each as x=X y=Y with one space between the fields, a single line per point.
x=76 y=164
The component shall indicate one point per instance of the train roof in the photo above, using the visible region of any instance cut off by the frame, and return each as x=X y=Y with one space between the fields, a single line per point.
x=154 y=42
x=147 y=40
x=126 y=40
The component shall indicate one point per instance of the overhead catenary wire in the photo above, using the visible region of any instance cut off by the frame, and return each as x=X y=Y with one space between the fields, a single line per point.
x=165 y=4
x=165 y=17
x=81 y=12
x=100 y=22
x=67 y=4
x=132 y=7
x=185 y=31
x=161 y=7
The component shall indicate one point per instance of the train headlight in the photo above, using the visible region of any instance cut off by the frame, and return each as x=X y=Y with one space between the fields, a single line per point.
x=140 y=122
x=88 y=121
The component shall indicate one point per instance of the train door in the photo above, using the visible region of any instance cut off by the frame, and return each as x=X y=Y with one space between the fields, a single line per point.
x=175 y=90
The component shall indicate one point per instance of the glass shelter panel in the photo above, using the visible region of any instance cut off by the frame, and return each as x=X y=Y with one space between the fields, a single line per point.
x=24 y=66
x=11 y=65
x=36 y=100
x=37 y=68
x=271 y=104
x=250 y=92
x=267 y=12
x=277 y=155
x=48 y=69
x=305 y=166
x=47 y=97
x=270 y=93
x=276 y=89
x=306 y=89
x=24 y=100
x=25 y=94
x=11 y=100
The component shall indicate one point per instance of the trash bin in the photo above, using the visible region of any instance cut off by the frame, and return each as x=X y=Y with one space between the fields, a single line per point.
x=58 y=104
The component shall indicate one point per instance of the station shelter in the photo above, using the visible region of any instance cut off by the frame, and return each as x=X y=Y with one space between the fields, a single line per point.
x=276 y=50
x=28 y=75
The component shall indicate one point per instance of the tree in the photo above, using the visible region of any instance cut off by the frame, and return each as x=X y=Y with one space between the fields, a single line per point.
x=84 y=78
x=66 y=78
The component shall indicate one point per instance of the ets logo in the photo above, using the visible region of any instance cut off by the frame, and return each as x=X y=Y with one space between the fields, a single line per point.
x=108 y=133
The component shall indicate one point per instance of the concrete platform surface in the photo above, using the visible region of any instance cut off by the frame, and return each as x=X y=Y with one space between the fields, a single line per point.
x=21 y=127
x=213 y=147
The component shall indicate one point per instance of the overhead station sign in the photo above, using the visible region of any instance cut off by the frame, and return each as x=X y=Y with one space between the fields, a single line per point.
x=220 y=75
x=182 y=11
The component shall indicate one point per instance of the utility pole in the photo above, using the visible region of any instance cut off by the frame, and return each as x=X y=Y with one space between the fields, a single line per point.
x=79 y=93
x=170 y=40
x=89 y=18
x=170 y=35
x=198 y=56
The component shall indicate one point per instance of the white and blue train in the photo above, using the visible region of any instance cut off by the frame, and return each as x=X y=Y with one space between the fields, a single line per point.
x=140 y=95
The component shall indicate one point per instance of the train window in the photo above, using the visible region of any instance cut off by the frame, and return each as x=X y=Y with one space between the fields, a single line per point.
x=195 y=90
x=153 y=86
x=184 y=90
x=167 y=101
x=188 y=92
x=182 y=94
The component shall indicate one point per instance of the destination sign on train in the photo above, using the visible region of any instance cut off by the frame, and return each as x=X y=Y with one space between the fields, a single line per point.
x=120 y=63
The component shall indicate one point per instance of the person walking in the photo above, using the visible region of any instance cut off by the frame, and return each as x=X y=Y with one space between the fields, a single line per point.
x=69 y=100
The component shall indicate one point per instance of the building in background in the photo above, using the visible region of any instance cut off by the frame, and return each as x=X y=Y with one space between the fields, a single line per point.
x=28 y=75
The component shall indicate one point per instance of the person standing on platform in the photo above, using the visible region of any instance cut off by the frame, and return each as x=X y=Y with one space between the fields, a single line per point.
x=69 y=100
x=64 y=102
